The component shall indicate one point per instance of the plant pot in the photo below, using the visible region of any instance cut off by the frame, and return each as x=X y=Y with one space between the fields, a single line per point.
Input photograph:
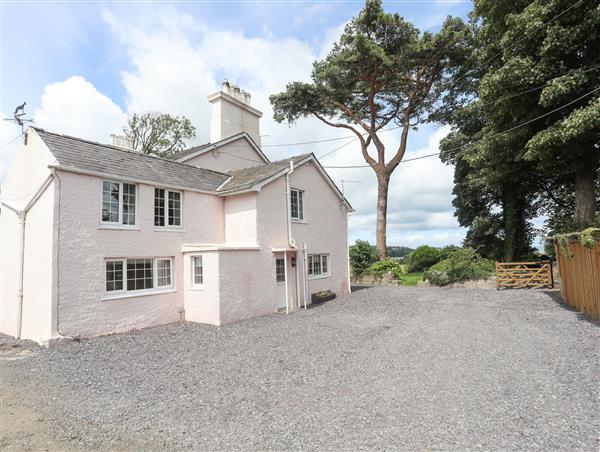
x=321 y=297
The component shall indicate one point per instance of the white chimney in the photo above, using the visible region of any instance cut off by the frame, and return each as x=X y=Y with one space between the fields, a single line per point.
x=122 y=142
x=232 y=114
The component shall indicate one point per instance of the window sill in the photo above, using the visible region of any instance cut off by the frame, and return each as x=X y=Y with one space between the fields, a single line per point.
x=197 y=287
x=159 y=229
x=134 y=294
x=120 y=227
x=299 y=221
x=319 y=277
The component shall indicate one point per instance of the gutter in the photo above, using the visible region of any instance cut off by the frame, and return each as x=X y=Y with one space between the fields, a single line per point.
x=22 y=214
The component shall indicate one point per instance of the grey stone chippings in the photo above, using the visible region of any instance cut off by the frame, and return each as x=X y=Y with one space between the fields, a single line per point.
x=383 y=368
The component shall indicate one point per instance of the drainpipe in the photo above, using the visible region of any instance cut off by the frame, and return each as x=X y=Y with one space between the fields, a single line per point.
x=22 y=214
x=291 y=241
x=305 y=253
x=288 y=202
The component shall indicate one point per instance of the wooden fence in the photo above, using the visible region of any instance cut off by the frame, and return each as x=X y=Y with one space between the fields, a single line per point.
x=524 y=275
x=580 y=277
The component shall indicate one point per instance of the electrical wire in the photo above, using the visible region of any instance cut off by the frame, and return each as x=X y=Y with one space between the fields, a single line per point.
x=477 y=141
x=10 y=141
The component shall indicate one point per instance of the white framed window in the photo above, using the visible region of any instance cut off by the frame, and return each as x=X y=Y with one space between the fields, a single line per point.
x=297 y=204
x=318 y=265
x=118 y=202
x=167 y=208
x=163 y=272
x=138 y=274
x=280 y=270
x=197 y=271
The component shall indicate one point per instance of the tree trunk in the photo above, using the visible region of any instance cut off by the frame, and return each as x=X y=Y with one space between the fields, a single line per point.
x=585 y=191
x=517 y=244
x=383 y=184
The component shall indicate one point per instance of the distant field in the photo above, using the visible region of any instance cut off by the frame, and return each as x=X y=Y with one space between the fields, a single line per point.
x=411 y=279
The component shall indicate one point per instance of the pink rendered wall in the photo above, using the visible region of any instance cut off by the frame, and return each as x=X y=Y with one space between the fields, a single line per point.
x=202 y=303
x=84 y=244
x=244 y=156
x=324 y=228
x=240 y=219
x=271 y=215
x=247 y=284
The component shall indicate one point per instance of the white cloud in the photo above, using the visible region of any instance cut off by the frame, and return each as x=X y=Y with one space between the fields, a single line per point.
x=76 y=107
x=177 y=61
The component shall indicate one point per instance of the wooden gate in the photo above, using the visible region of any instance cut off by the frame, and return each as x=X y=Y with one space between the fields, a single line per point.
x=524 y=275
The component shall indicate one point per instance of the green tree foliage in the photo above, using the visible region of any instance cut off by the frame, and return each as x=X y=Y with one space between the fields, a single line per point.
x=461 y=264
x=398 y=251
x=362 y=256
x=382 y=71
x=533 y=58
x=423 y=257
x=158 y=134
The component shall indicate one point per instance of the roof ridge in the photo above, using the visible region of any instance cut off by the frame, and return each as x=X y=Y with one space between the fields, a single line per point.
x=210 y=143
x=117 y=148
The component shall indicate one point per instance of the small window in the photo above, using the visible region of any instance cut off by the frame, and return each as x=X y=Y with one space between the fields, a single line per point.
x=280 y=270
x=163 y=272
x=114 y=276
x=197 y=271
x=167 y=208
x=297 y=204
x=318 y=265
x=118 y=202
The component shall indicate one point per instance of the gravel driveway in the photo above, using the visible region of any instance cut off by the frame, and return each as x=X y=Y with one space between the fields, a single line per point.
x=396 y=368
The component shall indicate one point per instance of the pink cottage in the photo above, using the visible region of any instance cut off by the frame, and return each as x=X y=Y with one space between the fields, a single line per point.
x=98 y=239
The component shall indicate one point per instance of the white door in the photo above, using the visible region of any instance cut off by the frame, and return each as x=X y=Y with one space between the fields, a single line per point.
x=280 y=291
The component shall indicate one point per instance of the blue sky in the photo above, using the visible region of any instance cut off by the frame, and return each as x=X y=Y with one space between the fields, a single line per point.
x=83 y=66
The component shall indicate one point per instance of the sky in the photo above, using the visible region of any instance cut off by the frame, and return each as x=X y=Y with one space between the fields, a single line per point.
x=83 y=67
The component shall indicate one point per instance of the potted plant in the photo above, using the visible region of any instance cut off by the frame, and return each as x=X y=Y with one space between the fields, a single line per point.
x=324 y=295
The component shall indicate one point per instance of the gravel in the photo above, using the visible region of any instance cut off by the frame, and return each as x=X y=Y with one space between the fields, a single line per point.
x=394 y=368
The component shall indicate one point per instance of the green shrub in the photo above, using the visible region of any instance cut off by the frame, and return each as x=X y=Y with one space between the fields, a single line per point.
x=362 y=256
x=445 y=251
x=388 y=265
x=461 y=265
x=422 y=258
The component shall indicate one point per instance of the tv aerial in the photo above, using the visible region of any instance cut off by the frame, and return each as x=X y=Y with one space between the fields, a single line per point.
x=18 y=117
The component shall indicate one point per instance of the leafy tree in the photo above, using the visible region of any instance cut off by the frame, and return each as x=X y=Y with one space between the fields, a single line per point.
x=382 y=71
x=534 y=58
x=362 y=256
x=398 y=251
x=159 y=134
x=423 y=257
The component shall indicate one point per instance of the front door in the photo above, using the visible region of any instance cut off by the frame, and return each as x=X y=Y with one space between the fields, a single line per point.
x=280 y=280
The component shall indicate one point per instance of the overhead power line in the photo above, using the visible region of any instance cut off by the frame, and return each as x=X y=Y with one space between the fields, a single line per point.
x=477 y=141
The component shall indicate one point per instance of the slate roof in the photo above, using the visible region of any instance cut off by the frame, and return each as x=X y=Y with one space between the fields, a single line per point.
x=246 y=178
x=89 y=156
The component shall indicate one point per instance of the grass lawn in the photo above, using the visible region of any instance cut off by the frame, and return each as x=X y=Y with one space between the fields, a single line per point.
x=411 y=279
